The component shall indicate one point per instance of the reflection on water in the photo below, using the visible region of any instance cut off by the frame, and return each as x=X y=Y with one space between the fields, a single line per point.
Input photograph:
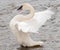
x=34 y=48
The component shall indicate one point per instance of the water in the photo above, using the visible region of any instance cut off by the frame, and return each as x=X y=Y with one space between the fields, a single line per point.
x=49 y=33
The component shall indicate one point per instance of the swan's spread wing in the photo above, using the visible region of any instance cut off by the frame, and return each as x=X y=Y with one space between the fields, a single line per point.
x=36 y=22
x=43 y=16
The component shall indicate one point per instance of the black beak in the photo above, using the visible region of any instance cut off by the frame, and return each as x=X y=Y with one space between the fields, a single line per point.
x=20 y=7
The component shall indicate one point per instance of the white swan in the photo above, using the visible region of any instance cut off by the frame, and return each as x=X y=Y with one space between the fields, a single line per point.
x=22 y=25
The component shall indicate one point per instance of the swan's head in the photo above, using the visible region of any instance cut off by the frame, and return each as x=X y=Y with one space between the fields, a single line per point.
x=25 y=6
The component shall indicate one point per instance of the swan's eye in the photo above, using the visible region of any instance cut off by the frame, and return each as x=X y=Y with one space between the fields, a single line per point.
x=20 y=7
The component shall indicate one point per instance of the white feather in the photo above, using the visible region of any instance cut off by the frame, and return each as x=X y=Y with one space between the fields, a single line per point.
x=36 y=22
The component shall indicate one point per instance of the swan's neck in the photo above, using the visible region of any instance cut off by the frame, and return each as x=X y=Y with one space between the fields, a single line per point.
x=30 y=15
x=27 y=17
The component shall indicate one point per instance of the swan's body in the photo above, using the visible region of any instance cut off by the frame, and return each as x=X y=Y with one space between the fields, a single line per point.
x=23 y=25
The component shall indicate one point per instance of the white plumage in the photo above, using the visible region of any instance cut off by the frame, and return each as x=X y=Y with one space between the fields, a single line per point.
x=22 y=25
x=36 y=22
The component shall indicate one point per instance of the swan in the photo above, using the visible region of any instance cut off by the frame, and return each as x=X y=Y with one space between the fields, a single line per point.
x=21 y=25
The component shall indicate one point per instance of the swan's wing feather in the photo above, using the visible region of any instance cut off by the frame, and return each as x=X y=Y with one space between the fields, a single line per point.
x=36 y=22
x=43 y=16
